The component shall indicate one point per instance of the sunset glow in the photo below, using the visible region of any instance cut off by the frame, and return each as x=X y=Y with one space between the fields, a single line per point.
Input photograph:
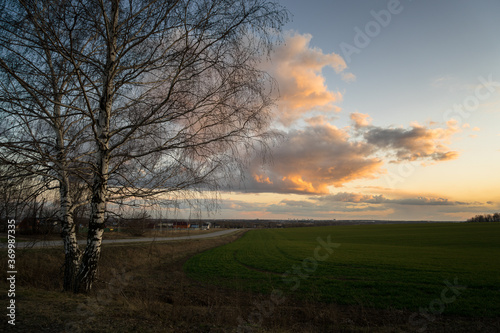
x=388 y=110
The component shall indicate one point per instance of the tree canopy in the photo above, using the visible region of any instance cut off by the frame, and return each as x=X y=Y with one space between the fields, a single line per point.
x=485 y=218
x=135 y=99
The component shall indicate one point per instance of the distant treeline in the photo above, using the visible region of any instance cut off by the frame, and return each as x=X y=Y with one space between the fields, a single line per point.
x=485 y=218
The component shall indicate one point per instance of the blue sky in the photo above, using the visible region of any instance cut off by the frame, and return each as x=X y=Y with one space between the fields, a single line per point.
x=390 y=109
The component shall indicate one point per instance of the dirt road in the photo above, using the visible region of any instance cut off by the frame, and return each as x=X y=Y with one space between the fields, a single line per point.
x=41 y=244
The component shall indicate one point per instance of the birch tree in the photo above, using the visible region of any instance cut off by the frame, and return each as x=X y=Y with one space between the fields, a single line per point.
x=170 y=90
x=43 y=136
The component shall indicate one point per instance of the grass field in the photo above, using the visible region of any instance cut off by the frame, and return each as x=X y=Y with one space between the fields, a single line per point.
x=438 y=268
x=357 y=288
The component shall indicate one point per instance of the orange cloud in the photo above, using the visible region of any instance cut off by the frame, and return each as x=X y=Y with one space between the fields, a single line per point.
x=297 y=67
x=295 y=183
x=313 y=158
x=319 y=120
x=262 y=179
x=318 y=156
x=361 y=119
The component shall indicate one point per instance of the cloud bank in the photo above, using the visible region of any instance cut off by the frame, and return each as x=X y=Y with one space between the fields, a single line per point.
x=345 y=205
x=318 y=156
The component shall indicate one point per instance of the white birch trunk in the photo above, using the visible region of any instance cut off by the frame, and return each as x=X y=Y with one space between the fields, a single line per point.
x=88 y=266
x=72 y=252
x=90 y=259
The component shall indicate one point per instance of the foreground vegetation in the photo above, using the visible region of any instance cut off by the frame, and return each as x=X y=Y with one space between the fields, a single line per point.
x=140 y=288
x=449 y=269
x=144 y=288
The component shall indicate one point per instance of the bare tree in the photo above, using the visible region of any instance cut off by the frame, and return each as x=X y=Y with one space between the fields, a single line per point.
x=485 y=218
x=170 y=90
x=18 y=194
x=43 y=134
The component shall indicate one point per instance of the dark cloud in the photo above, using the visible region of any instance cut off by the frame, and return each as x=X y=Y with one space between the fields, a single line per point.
x=381 y=199
x=423 y=201
x=415 y=143
x=353 y=198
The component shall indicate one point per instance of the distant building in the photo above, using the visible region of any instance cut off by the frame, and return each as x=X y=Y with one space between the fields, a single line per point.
x=165 y=225
x=33 y=225
x=181 y=225
x=29 y=225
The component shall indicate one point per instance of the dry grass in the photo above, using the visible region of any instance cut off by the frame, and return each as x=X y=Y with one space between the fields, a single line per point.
x=114 y=234
x=142 y=288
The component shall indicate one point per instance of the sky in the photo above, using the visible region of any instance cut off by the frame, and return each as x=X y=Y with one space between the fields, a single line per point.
x=389 y=110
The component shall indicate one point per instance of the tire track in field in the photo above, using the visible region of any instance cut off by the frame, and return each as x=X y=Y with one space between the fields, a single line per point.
x=253 y=268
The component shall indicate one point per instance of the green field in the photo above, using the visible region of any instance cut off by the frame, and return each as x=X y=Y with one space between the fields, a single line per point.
x=391 y=266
